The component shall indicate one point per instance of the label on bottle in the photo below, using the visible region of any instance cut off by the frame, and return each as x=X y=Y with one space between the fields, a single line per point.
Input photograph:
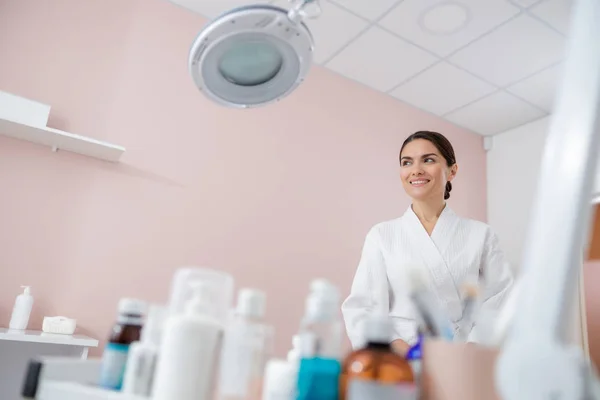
x=139 y=372
x=114 y=360
x=360 y=389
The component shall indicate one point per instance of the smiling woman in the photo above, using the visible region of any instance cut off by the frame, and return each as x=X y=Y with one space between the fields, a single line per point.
x=447 y=250
x=427 y=150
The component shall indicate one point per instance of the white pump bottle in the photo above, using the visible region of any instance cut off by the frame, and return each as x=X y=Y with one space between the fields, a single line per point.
x=189 y=350
x=22 y=310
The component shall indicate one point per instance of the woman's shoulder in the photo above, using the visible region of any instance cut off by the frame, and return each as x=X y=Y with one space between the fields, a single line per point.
x=384 y=229
x=383 y=226
x=477 y=226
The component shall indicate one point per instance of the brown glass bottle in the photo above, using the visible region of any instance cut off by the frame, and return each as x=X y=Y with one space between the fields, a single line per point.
x=376 y=371
x=125 y=331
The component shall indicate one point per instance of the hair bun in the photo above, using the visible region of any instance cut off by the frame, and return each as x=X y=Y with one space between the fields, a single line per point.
x=448 y=190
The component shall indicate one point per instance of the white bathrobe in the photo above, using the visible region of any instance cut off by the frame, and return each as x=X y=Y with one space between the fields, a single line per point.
x=457 y=250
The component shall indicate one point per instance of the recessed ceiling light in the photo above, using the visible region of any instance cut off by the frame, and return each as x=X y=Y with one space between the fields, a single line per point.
x=445 y=18
x=524 y=3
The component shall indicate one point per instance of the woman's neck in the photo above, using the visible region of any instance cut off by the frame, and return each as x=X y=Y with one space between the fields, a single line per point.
x=428 y=212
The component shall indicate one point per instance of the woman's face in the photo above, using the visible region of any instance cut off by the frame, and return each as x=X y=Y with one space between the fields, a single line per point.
x=423 y=170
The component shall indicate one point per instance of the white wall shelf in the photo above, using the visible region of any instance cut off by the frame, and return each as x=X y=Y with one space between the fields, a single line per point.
x=47 y=338
x=26 y=119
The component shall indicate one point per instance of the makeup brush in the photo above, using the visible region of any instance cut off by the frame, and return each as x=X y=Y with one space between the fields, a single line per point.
x=435 y=321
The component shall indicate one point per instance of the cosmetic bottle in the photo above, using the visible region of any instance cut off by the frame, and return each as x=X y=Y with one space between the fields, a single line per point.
x=21 y=310
x=191 y=343
x=126 y=330
x=246 y=347
x=281 y=375
x=376 y=371
x=141 y=362
x=320 y=344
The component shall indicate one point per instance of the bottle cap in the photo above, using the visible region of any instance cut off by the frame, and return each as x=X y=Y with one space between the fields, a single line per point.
x=378 y=328
x=414 y=353
x=222 y=290
x=251 y=303
x=294 y=354
x=132 y=306
x=322 y=301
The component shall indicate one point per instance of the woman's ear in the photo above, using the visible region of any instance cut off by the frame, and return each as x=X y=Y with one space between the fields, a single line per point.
x=452 y=173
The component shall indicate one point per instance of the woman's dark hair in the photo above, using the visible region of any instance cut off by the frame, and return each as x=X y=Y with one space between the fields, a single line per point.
x=442 y=144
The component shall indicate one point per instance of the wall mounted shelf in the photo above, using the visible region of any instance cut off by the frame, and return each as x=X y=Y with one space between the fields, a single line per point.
x=25 y=119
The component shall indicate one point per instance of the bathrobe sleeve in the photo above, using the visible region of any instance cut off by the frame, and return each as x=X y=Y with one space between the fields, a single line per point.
x=497 y=282
x=370 y=293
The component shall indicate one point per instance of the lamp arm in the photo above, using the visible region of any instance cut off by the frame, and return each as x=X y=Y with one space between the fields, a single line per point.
x=535 y=362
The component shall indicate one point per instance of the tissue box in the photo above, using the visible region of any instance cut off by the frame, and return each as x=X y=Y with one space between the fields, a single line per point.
x=61 y=325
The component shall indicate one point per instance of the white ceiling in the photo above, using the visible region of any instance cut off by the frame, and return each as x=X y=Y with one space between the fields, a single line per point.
x=486 y=65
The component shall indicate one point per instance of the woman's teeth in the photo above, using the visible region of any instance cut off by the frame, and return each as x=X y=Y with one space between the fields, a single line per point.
x=421 y=182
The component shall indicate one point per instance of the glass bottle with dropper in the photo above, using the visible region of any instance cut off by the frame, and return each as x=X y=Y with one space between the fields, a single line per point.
x=376 y=371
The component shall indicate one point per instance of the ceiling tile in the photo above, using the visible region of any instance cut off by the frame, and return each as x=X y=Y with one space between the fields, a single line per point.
x=540 y=89
x=494 y=114
x=512 y=52
x=214 y=8
x=436 y=24
x=371 y=9
x=332 y=30
x=380 y=60
x=442 y=88
x=555 y=12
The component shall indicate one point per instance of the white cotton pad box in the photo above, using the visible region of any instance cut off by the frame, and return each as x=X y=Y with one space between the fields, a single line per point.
x=62 y=325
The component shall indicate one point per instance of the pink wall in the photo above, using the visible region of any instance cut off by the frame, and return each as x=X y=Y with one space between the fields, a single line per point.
x=276 y=196
x=591 y=279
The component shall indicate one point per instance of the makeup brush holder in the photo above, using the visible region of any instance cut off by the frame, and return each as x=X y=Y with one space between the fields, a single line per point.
x=452 y=371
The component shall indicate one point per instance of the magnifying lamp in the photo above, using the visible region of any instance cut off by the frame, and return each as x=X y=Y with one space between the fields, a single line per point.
x=253 y=55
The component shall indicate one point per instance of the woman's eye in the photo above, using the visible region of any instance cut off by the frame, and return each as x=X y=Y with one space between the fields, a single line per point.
x=429 y=160
x=405 y=163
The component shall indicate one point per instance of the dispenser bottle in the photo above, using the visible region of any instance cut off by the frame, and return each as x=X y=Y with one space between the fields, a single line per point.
x=190 y=349
x=376 y=371
x=320 y=350
x=126 y=331
x=141 y=362
x=246 y=347
x=22 y=310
